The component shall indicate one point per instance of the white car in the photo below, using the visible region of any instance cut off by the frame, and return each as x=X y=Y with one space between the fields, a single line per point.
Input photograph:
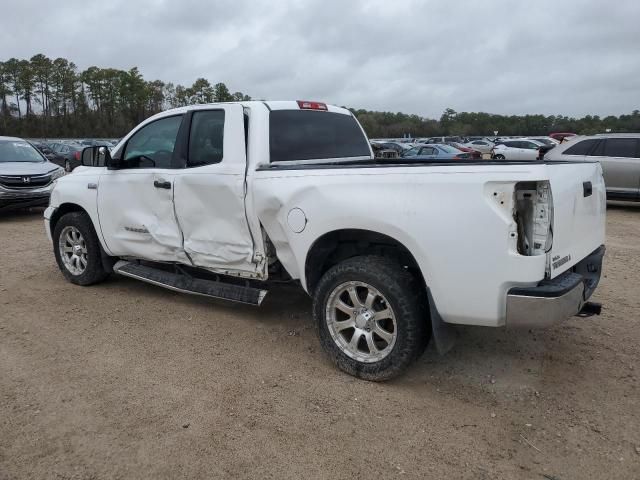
x=517 y=149
x=545 y=140
x=482 y=146
x=224 y=200
x=619 y=155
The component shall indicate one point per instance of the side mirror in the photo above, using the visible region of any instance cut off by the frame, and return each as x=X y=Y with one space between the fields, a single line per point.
x=97 y=156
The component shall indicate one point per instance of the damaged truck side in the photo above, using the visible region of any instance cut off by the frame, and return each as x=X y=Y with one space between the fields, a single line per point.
x=222 y=199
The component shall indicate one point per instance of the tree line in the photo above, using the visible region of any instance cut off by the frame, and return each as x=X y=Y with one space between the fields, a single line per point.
x=395 y=125
x=44 y=97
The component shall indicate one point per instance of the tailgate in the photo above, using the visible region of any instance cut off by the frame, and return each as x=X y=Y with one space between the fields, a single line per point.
x=579 y=210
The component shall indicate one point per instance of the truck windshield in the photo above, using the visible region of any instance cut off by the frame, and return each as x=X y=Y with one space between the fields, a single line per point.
x=312 y=135
x=18 y=151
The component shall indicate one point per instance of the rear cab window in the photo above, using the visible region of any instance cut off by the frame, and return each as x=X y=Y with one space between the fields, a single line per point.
x=298 y=135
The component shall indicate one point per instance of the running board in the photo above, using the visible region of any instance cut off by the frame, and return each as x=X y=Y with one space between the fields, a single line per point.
x=186 y=284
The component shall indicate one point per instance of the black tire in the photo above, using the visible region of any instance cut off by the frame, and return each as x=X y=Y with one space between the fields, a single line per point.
x=94 y=271
x=67 y=166
x=404 y=295
x=499 y=157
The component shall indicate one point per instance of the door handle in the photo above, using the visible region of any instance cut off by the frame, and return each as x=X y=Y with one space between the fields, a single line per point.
x=587 y=189
x=162 y=184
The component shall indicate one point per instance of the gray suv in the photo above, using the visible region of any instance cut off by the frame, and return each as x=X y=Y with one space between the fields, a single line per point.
x=619 y=155
x=26 y=176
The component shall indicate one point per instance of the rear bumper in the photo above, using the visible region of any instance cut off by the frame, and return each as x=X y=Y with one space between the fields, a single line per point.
x=553 y=301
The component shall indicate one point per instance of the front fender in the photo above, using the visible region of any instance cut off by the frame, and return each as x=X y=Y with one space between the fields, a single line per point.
x=78 y=190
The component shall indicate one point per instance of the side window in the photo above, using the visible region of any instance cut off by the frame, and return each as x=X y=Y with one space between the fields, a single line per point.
x=511 y=144
x=581 y=148
x=620 y=147
x=206 y=138
x=428 y=151
x=412 y=152
x=152 y=146
x=64 y=149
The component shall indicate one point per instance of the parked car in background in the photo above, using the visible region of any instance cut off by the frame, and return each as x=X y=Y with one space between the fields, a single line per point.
x=381 y=151
x=92 y=142
x=26 y=176
x=395 y=146
x=45 y=149
x=67 y=155
x=560 y=136
x=543 y=150
x=545 y=140
x=482 y=146
x=474 y=153
x=435 y=151
x=441 y=139
x=619 y=155
x=522 y=149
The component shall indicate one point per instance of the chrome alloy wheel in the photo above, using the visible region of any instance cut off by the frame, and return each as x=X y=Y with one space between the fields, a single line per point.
x=73 y=250
x=361 y=322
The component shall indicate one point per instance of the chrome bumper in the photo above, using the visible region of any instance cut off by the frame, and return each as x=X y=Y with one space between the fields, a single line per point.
x=553 y=301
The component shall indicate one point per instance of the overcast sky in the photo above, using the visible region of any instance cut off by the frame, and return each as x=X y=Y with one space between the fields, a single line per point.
x=501 y=56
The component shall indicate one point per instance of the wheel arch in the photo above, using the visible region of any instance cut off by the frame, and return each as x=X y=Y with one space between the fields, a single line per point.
x=69 y=207
x=62 y=210
x=336 y=246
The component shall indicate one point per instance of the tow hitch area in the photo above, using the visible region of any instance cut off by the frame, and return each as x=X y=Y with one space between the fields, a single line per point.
x=590 y=309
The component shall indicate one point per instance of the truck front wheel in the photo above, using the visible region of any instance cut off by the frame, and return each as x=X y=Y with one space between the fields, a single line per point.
x=371 y=317
x=77 y=249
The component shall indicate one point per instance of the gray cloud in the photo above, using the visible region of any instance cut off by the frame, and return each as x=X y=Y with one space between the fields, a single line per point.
x=572 y=57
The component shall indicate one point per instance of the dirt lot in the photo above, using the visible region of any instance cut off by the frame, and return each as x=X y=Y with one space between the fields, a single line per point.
x=127 y=380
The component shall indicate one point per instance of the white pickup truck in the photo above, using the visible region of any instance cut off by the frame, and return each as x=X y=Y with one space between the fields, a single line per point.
x=224 y=199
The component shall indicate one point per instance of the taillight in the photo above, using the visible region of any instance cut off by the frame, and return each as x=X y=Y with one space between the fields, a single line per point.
x=77 y=155
x=304 y=105
x=534 y=217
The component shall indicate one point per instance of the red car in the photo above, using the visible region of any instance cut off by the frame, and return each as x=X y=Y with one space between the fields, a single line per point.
x=561 y=135
x=474 y=153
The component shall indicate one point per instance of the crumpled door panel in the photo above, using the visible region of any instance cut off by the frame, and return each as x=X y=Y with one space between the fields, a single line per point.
x=210 y=210
x=137 y=219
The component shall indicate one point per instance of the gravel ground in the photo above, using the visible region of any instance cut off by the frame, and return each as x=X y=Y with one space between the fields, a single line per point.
x=127 y=380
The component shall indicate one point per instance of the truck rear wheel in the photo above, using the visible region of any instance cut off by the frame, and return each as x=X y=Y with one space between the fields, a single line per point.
x=77 y=249
x=371 y=317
